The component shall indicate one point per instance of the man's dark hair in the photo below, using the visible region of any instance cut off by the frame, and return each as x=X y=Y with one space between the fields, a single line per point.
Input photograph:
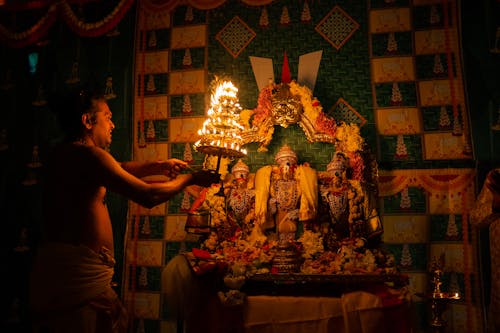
x=70 y=108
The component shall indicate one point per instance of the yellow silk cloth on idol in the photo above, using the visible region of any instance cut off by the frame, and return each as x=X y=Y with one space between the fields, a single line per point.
x=262 y=188
x=308 y=180
x=65 y=278
x=308 y=183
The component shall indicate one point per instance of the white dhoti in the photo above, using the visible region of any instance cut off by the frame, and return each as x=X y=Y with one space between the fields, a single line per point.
x=70 y=291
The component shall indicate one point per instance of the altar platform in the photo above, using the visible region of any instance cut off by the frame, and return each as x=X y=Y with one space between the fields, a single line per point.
x=351 y=313
x=283 y=304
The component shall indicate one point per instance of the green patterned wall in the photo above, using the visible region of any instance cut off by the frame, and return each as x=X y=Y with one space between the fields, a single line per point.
x=343 y=73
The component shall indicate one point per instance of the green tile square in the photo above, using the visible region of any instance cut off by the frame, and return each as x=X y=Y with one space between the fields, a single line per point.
x=384 y=94
x=418 y=202
x=390 y=151
x=412 y=257
x=446 y=228
x=146 y=278
x=197 y=58
x=178 y=109
x=153 y=130
x=403 y=41
x=153 y=229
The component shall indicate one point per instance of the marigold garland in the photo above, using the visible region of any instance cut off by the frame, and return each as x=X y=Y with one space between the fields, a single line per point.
x=348 y=135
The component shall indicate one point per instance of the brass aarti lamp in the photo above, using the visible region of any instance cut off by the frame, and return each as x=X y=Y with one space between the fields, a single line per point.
x=220 y=135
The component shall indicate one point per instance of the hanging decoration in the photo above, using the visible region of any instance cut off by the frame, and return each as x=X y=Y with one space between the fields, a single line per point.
x=305 y=15
x=443 y=181
x=285 y=16
x=60 y=9
x=74 y=76
x=106 y=26
x=109 y=93
x=264 y=18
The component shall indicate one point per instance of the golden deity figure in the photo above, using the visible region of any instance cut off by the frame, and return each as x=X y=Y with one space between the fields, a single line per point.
x=240 y=198
x=285 y=194
x=347 y=210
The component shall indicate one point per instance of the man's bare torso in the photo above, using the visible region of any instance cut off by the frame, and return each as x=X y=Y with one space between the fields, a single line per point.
x=76 y=210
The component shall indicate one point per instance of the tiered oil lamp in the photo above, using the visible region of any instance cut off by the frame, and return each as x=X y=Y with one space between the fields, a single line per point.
x=220 y=135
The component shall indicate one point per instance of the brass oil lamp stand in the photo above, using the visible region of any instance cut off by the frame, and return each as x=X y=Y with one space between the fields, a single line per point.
x=439 y=302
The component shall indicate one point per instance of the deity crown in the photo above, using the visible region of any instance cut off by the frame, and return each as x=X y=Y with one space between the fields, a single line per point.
x=286 y=154
x=240 y=169
x=338 y=163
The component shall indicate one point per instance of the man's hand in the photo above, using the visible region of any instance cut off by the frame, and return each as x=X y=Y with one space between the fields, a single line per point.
x=205 y=178
x=173 y=166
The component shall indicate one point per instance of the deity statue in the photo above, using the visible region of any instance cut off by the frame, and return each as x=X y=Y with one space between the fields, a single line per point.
x=285 y=194
x=347 y=209
x=240 y=198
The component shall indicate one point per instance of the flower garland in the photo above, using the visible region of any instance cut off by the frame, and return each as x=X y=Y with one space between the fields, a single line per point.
x=264 y=106
x=243 y=258
x=312 y=244
x=351 y=258
x=348 y=135
x=216 y=205
x=350 y=139
x=310 y=105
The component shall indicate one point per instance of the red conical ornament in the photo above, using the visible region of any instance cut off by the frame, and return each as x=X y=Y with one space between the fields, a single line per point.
x=285 y=71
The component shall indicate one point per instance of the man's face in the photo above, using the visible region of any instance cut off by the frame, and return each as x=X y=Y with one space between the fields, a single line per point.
x=103 y=126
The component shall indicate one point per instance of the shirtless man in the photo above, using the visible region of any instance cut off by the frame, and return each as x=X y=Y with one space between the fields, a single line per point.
x=71 y=277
